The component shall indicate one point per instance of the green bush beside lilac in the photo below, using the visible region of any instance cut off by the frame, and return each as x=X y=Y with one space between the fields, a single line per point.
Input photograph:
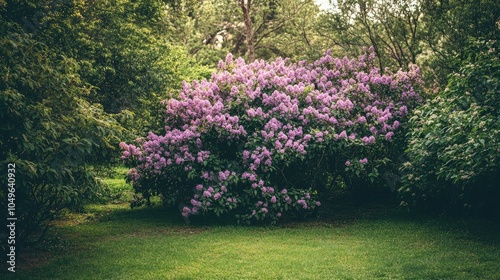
x=49 y=132
x=261 y=139
x=454 y=140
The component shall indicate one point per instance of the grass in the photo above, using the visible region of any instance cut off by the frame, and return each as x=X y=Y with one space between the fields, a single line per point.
x=115 y=242
x=118 y=190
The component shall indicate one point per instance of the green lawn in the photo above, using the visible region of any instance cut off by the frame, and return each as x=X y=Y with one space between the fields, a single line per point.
x=115 y=242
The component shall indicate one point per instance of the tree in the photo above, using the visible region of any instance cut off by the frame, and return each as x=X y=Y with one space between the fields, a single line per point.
x=122 y=50
x=392 y=27
x=246 y=7
x=70 y=70
x=254 y=29
x=430 y=33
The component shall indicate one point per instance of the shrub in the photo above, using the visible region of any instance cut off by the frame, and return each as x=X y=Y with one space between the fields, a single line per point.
x=49 y=132
x=454 y=139
x=260 y=139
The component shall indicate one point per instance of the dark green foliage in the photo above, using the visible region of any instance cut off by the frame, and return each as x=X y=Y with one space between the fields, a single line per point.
x=74 y=74
x=450 y=26
x=48 y=130
x=121 y=48
x=454 y=144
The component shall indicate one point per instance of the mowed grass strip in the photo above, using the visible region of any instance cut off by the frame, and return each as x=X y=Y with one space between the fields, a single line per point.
x=156 y=244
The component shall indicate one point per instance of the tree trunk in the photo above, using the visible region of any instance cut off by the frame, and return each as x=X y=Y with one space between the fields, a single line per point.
x=245 y=8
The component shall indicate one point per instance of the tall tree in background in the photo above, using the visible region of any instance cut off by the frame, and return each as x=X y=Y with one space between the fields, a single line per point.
x=433 y=34
x=392 y=27
x=246 y=8
x=255 y=29
x=292 y=33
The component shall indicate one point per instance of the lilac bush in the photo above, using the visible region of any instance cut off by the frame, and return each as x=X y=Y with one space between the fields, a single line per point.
x=258 y=140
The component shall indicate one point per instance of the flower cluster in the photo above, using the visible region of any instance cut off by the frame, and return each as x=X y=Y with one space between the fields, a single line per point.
x=226 y=138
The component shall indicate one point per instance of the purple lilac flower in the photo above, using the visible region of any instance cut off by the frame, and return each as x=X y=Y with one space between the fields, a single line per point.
x=368 y=140
x=343 y=135
x=222 y=176
x=302 y=202
x=389 y=135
